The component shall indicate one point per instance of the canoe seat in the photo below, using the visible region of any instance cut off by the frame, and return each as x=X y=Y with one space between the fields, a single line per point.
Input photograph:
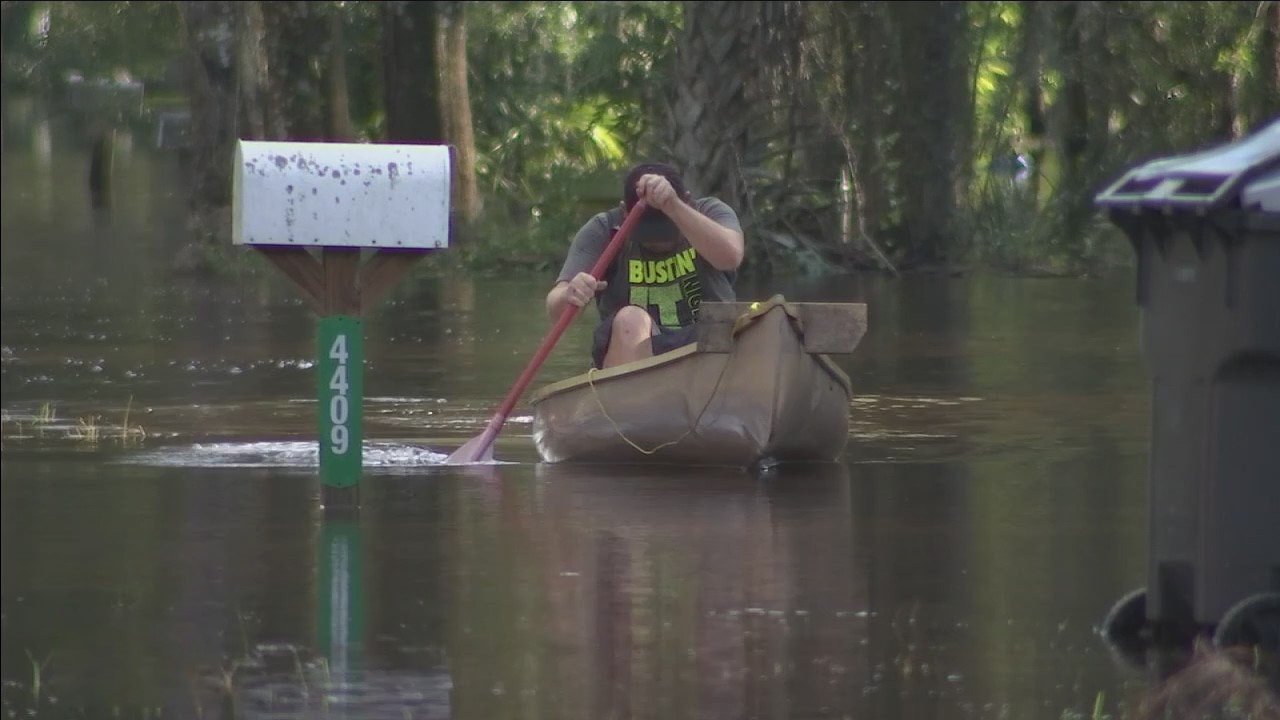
x=827 y=328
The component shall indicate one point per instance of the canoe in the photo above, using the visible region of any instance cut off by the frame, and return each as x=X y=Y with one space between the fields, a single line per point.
x=757 y=388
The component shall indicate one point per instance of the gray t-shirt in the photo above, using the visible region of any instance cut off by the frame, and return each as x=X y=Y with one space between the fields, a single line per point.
x=670 y=285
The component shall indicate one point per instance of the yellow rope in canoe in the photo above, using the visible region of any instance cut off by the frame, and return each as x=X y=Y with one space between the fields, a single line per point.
x=600 y=404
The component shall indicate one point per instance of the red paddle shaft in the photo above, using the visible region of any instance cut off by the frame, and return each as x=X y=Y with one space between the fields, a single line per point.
x=480 y=446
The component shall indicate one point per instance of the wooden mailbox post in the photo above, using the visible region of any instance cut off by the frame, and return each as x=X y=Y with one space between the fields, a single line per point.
x=345 y=222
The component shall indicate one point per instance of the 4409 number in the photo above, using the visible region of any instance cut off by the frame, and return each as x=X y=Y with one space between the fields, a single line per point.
x=340 y=402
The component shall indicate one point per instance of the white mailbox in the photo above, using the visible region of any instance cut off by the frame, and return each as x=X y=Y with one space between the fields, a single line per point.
x=317 y=194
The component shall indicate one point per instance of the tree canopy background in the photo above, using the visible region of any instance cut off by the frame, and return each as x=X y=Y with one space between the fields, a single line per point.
x=851 y=135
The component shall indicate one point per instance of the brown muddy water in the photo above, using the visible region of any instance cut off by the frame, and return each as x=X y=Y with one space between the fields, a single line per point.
x=164 y=555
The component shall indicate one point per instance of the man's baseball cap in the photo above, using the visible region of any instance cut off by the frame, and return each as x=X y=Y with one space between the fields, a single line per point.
x=654 y=225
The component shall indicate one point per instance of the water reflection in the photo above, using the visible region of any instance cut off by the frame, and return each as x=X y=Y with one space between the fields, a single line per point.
x=198 y=590
x=342 y=677
x=863 y=590
x=651 y=593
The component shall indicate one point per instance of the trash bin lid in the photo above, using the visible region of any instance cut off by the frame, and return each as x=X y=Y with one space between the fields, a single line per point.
x=1199 y=181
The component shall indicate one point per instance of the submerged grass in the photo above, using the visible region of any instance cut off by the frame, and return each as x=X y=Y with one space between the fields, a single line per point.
x=43 y=425
x=37 y=670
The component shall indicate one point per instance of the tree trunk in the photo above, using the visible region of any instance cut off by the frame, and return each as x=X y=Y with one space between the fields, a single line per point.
x=456 y=108
x=1081 y=113
x=340 y=127
x=409 y=67
x=866 y=73
x=208 y=26
x=710 y=111
x=254 y=71
x=298 y=45
x=1073 y=130
x=1099 y=83
x=1267 y=69
x=1270 y=57
x=1030 y=74
x=933 y=80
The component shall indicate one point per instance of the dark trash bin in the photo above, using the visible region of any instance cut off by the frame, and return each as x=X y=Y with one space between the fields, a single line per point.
x=1206 y=231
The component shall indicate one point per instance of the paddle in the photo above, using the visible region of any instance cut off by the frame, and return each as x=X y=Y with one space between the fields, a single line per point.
x=480 y=448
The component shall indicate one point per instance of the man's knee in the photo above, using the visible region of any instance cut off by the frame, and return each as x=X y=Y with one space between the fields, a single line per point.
x=633 y=323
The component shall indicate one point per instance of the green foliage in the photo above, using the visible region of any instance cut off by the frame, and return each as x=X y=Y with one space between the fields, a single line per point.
x=1167 y=78
x=563 y=96
x=566 y=95
x=996 y=28
x=46 y=42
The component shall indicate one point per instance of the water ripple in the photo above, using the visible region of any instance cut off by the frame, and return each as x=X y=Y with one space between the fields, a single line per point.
x=300 y=454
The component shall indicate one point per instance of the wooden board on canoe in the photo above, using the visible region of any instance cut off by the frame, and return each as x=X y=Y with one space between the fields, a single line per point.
x=756 y=388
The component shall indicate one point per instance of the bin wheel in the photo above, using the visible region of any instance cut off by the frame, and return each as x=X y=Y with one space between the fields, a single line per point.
x=1126 y=622
x=1254 y=621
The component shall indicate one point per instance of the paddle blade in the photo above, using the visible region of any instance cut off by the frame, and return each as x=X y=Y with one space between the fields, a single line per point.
x=478 y=449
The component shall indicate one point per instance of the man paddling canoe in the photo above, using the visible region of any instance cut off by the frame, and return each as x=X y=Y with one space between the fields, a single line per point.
x=681 y=253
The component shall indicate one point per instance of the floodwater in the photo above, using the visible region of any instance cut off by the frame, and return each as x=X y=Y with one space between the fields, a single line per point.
x=165 y=555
